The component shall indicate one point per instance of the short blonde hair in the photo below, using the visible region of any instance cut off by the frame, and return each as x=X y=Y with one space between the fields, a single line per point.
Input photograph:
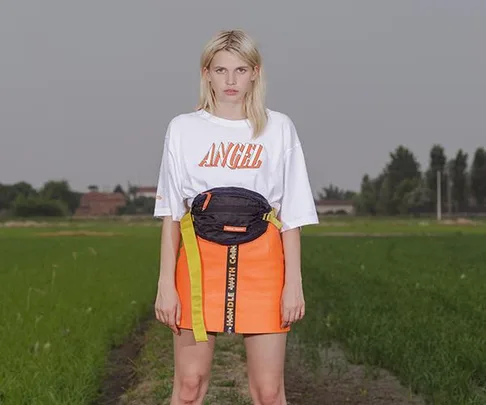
x=240 y=44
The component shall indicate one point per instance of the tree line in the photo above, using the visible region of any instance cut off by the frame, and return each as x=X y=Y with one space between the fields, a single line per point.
x=403 y=188
x=54 y=198
x=57 y=199
x=400 y=188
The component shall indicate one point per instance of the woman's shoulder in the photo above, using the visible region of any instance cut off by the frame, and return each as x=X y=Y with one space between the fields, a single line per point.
x=284 y=125
x=278 y=117
x=183 y=119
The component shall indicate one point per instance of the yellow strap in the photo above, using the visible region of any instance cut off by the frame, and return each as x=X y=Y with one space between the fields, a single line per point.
x=194 y=264
x=272 y=218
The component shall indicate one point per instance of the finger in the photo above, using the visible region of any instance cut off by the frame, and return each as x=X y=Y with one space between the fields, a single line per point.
x=285 y=318
x=302 y=312
x=297 y=315
x=170 y=316
x=164 y=317
x=178 y=315
x=172 y=320
x=158 y=314
x=293 y=315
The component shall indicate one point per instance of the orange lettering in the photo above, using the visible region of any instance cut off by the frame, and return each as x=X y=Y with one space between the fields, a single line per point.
x=208 y=159
x=227 y=153
x=233 y=155
x=220 y=155
x=236 y=156
x=256 y=163
x=245 y=162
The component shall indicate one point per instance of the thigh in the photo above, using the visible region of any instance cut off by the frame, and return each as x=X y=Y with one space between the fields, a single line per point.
x=192 y=359
x=265 y=358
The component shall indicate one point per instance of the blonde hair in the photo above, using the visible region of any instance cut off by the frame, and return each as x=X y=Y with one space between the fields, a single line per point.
x=239 y=44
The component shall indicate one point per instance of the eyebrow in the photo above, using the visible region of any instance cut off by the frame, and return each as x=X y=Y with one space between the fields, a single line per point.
x=238 y=67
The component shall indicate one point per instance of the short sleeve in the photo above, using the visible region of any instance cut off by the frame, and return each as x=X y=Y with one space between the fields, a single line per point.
x=298 y=207
x=169 y=200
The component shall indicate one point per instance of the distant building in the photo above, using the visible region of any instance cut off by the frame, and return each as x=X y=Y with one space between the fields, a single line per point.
x=329 y=207
x=95 y=203
x=146 y=191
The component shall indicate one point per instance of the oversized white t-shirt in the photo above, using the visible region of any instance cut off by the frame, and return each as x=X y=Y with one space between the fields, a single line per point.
x=202 y=151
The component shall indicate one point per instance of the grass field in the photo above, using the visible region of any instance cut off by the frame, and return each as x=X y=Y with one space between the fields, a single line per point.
x=415 y=305
x=64 y=302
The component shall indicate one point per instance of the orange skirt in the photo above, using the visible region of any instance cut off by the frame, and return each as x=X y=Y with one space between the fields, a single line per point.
x=244 y=297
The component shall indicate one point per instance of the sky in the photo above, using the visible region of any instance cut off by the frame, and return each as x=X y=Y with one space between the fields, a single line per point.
x=87 y=88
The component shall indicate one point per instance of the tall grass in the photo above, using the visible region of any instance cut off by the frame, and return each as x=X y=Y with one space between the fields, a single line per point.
x=64 y=302
x=413 y=305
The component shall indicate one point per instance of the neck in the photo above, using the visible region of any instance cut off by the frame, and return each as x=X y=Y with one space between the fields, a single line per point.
x=230 y=111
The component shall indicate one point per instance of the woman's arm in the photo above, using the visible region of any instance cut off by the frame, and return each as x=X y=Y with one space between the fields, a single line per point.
x=293 y=304
x=167 y=303
x=170 y=240
x=291 y=246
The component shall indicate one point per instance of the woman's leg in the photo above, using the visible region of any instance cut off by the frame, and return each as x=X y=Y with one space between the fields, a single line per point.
x=265 y=362
x=192 y=368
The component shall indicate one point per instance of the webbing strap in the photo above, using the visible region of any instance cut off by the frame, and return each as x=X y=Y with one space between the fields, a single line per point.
x=195 y=276
x=272 y=218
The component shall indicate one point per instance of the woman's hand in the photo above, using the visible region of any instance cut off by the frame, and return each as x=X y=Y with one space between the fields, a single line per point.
x=293 y=304
x=168 y=307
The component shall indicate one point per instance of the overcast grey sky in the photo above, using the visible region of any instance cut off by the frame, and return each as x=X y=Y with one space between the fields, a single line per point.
x=88 y=87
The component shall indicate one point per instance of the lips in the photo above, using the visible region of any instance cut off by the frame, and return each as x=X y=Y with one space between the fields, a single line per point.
x=231 y=92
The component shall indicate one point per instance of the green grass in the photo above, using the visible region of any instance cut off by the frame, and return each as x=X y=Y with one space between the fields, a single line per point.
x=413 y=305
x=423 y=226
x=64 y=302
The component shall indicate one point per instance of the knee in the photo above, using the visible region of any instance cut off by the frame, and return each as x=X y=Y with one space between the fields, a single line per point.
x=269 y=393
x=190 y=388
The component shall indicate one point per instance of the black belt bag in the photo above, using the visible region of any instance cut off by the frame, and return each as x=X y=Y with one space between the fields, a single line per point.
x=231 y=215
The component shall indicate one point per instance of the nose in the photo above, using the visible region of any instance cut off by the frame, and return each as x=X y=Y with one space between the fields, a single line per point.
x=230 y=79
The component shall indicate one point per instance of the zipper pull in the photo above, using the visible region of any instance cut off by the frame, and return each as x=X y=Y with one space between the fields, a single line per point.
x=206 y=201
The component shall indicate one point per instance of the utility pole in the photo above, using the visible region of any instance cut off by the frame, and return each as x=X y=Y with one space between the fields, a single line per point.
x=449 y=189
x=439 y=199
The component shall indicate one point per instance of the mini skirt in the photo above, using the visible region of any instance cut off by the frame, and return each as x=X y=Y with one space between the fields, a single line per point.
x=230 y=268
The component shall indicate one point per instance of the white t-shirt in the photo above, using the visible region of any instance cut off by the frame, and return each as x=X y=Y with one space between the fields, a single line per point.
x=202 y=151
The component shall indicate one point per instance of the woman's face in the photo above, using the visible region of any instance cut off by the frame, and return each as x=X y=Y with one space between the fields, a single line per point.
x=230 y=77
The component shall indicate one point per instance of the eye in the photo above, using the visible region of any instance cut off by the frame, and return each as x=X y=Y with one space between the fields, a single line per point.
x=219 y=70
x=242 y=70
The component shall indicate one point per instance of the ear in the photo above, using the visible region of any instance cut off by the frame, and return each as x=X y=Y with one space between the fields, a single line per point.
x=256 y=72
x=205 y=73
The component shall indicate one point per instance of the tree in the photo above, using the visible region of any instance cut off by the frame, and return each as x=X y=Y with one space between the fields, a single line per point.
x=419 y=199
x=9 y=192
x=131 y=191
x=140 y=205
x=437 y=162
x=335 y=193
x=119 y=189
x=38 y=206
x=403 y=165
x=384 y=197
x=478 y=176
x=400 y=198
x=93 y=187
x=458 y=173
x=366 y=200
x=61 y=191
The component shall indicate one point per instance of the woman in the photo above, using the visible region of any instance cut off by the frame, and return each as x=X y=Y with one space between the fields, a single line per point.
x=233 y=188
